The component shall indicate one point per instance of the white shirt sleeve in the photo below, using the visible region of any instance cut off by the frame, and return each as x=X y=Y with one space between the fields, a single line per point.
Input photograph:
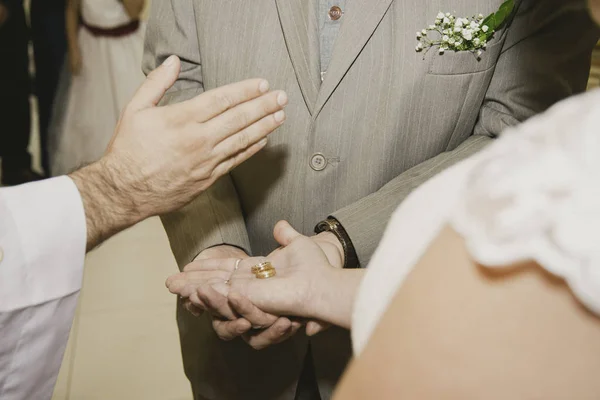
x=42 y=250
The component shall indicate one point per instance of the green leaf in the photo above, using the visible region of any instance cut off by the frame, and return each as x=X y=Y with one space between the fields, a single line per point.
x=495 y=20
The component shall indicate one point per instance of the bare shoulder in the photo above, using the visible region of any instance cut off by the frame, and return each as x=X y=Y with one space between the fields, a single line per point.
x=459 y=330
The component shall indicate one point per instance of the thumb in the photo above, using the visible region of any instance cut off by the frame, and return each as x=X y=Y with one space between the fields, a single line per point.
x=284 y=233
x=156 y=84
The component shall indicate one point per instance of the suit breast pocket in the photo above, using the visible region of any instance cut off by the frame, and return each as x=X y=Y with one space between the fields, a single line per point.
x=464 y=62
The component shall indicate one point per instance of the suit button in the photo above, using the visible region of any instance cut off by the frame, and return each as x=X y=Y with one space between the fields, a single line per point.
x=318 y=162
x=335 y=13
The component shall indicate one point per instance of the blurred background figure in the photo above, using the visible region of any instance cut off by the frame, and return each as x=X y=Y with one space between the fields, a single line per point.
x=15 y=88
x=47 y=19
x=105 y=44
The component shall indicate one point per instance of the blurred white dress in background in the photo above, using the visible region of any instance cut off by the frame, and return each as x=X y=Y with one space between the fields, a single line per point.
x=88 y=105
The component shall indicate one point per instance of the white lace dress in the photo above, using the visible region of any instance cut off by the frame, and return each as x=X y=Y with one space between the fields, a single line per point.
x=534 y=195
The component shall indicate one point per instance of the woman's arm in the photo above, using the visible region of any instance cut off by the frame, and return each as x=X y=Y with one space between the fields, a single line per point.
x=457 y=330
x=134 y=8
x=72 y=30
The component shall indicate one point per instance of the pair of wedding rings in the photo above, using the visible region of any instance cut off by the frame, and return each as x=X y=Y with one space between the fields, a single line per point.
x=264 y=270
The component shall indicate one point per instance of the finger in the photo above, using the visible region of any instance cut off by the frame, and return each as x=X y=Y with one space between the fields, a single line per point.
x=216 y=303
x=245 y=308
x=215 y=102
x=229 y=330
x=284 y=233
x=223 y=264
x=315 y=327
x=244 y=115
x=226 y=166
x=185 y=283
x=195 y=301
x=156 y=85
x=192 y=308
x=255 y=134
x=279 y=332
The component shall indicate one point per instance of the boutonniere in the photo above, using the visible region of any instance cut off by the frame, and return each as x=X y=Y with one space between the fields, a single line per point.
x=450 y=33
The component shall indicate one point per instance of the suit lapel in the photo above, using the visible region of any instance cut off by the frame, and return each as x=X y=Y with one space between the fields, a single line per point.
x=355 y=32
x=299 y=24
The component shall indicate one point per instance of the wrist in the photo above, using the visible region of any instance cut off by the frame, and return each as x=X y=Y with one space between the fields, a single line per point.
x=333 y=298
x=330 y=239
x=109 y=207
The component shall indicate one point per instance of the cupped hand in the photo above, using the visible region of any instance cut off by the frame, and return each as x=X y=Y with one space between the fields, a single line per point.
x=302 y=271
x=202 y=286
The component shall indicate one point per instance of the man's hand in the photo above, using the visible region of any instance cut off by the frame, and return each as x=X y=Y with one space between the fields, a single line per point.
x=4 y=14
x=161 y=158
x=203 y=287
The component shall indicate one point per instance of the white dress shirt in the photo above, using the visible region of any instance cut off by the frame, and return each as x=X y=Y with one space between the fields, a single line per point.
x=42 y=251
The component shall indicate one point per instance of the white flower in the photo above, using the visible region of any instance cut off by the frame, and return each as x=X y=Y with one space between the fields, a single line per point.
x=476 y=41
x=442 y=50
x=440 y=15
x=424 y=32
x=448 y=15
x=485 y=28
x=479 y=53
x=445 y=38
x=451 y=41
x=437 y=21
x=419 y=35
x=474 y=25
x=459 y=42
x=431 y=26
x=459 y=23
x=446 y=20
x=484 y=45
x=419 y=47
x=457 y=29
x=467 y=34
x=480 y=16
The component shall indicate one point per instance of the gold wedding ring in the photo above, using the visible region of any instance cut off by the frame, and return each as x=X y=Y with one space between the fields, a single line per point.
x=264 y=270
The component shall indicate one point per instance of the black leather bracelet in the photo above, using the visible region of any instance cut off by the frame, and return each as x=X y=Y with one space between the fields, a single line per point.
x=333 y=225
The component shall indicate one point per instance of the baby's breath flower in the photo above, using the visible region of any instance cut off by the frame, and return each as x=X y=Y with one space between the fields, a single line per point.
x=467 y=34
x=451 y=33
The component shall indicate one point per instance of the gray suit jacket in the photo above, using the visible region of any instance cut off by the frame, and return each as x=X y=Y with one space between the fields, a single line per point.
x=386 y=119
